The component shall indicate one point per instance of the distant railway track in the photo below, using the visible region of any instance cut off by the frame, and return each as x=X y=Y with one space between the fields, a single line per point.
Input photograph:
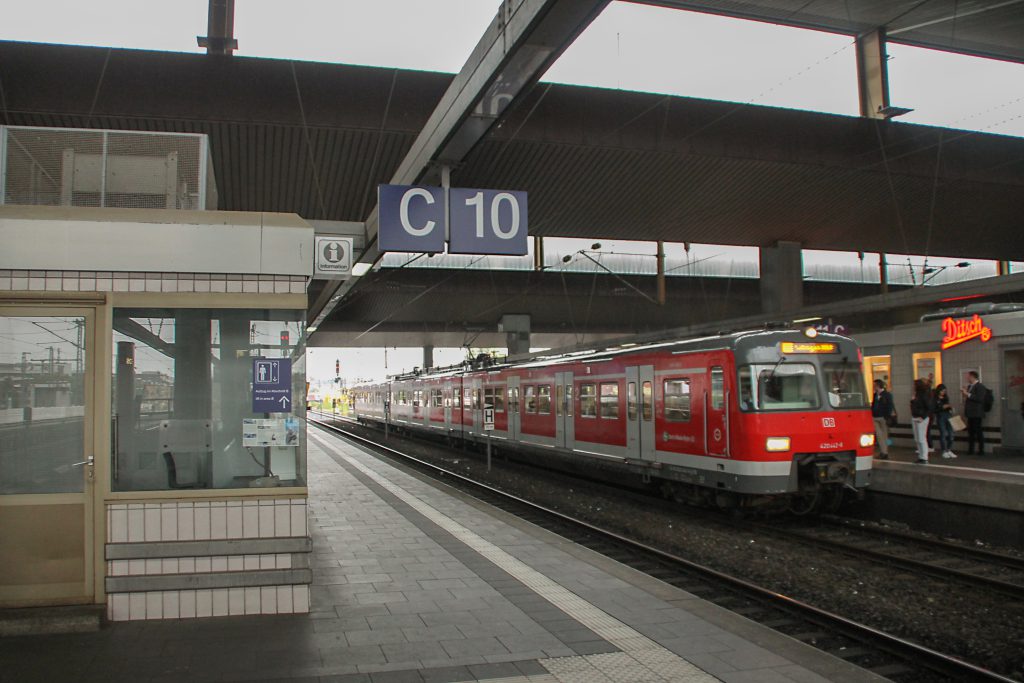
x=873 y=649
x=933 y=557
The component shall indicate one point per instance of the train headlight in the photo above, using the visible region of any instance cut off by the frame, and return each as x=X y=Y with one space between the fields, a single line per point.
x=777 y=443
x=867 y=440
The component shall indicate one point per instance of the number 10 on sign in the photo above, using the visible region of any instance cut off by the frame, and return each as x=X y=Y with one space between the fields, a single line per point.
x=487 y=222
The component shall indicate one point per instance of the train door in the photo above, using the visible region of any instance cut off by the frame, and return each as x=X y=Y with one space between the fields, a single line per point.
x=640 y=411
x=565 y=436
x=1013 y=400
x=512 y=406
x=716 y=417
x=47 y=477
x=446 y=397
x=476 y=405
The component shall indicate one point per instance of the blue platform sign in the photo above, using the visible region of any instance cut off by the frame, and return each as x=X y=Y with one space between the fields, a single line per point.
x=410 y=218
x=487 y=222
x=271 y=385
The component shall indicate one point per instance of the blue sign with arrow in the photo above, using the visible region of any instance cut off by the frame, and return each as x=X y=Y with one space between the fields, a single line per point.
x=271 y=385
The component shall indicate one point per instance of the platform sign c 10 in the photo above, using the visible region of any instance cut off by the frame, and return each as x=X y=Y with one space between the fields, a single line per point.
x=412 y=219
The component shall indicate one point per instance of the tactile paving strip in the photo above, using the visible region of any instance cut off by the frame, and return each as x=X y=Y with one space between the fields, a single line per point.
x=642 y=660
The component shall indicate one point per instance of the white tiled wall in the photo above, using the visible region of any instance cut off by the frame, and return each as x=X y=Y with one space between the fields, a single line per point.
x=108 y=281
x=198 y=521
x=205 y=520
x=193 y=604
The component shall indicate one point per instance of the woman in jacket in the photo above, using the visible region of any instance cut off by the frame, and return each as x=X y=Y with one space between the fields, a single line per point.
x=943 y=411
x=920 y=409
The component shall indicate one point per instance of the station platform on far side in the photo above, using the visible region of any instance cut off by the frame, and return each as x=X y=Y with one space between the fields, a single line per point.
x=992 y=480
x=417 y=584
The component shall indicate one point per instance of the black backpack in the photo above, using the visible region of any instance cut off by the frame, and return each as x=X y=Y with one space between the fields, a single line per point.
x=988 y=400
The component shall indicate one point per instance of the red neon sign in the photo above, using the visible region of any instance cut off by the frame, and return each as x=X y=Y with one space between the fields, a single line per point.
x=959 y=331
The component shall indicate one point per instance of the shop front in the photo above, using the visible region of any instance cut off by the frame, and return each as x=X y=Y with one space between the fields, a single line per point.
x=943 y=349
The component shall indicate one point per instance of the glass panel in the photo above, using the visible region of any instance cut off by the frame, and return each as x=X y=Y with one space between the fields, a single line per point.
x=42 y=404
x=185 y=392
x=568 y=400
x=631 y=401
x=610 y=400
x=648 y=401
x=677 y=400
x=845 y=385
x=717 y=388
x=544 y=399
x=530 y=399
x=780 y=386
x=588 y=400
x=559 y=400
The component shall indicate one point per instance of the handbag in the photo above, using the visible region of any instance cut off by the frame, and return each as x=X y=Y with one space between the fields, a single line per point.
x=892 y=419
x=957 y=423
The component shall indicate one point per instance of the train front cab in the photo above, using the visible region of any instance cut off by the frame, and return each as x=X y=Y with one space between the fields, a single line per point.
x=802 y=415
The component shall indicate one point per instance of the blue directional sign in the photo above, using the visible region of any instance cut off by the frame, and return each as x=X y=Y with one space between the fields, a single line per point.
x=410 y=218
x=271 y=385
x=487 y=222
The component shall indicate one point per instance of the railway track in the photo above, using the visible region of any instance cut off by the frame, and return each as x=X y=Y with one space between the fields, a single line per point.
x=870 y=648
x=933 y=557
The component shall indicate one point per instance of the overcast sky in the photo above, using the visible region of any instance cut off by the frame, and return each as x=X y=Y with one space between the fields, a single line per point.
x=629 y=46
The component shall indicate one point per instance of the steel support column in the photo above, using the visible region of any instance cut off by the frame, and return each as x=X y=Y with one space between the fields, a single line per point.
x=872 y=74
x=781 y=278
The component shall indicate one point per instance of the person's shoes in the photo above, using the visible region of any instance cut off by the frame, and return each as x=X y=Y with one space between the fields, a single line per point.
x=947 y=454
x=920 y=461
x=930 y=449
x=951 y=454
x=883 y=456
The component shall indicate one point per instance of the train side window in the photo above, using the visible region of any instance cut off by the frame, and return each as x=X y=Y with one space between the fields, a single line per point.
x=476 y=399
x=436 y=400
x=513 y=399
x=610 y=400
x=559 y=400
x=530 y=398
x=717 y=388
x=677 y=400
x=544 y=399
x=568 y=400
x=495 y=397
x=588 y=400
x=631 y=401
x=457 y=398
x=647 y=393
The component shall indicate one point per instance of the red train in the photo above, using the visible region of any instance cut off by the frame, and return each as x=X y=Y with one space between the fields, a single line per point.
x=741 y=420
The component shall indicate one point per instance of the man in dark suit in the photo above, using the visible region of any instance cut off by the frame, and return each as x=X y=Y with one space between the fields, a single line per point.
x=974 y=411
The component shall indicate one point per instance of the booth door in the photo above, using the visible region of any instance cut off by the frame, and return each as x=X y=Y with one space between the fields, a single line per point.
x=46 y=451
x=1013 y=405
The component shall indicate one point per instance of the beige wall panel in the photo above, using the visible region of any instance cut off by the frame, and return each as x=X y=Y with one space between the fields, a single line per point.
x=42 y=544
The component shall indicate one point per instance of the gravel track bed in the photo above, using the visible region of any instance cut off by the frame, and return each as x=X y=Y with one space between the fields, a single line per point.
x=974 y=624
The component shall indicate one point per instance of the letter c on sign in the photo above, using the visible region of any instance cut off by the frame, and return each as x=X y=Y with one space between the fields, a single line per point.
x=404 y=212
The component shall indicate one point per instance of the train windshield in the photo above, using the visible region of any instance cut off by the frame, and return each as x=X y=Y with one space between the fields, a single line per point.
x=845 y=384
x=779 y=386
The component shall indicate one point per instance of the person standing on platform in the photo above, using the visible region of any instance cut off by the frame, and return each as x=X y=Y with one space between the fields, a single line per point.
x=882 y=411
x=943 y=411
x=920 y=410
x=975 y=395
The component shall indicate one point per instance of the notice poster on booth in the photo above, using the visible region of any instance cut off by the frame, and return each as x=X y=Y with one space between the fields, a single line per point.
x=275 y=432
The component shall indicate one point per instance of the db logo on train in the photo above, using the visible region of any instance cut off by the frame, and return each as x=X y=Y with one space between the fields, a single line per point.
x=828 y=422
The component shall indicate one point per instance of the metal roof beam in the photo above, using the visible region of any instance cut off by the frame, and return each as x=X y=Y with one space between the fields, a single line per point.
x=523 y=40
